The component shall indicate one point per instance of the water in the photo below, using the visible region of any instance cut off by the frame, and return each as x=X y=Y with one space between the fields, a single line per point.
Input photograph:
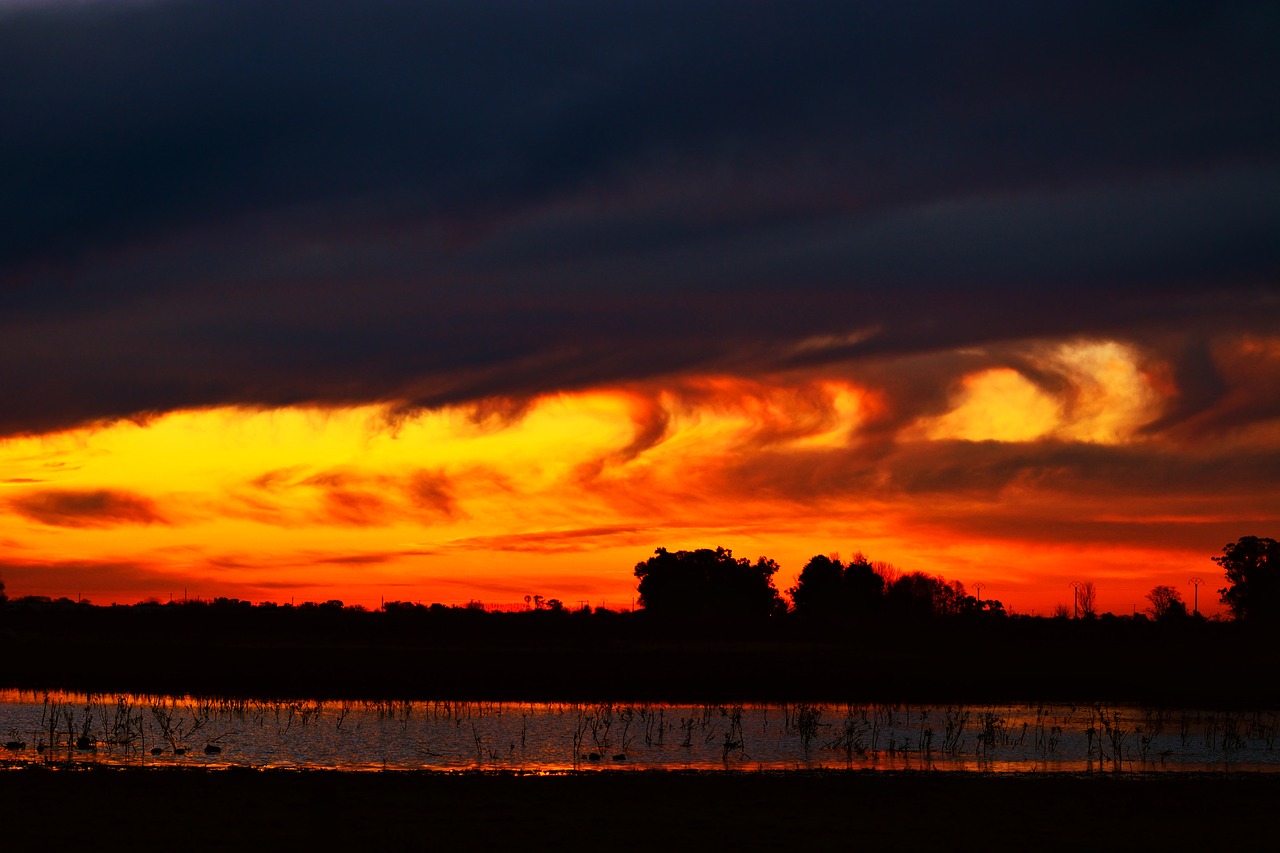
x=549 y=737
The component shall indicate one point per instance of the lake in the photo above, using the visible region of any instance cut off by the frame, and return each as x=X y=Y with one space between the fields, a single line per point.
x=57 y=727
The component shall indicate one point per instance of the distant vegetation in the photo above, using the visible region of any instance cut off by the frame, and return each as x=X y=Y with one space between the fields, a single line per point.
x=713 y=584
x=710 y=627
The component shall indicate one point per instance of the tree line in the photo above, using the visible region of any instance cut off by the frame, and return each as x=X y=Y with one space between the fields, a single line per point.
x=712 y=584
x=712 y=626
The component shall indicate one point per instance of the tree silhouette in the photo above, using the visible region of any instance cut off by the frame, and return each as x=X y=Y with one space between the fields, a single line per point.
x=706 y=583
x=827 y=588
x=1252 y=565
x=1088 y=600
x=1166 y=603
x=921 y=595
x=918 y=595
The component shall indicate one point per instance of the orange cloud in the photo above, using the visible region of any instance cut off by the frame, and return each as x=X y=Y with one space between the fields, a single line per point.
x=555 y=541
x=433 y=492
x=1018 y=467
x=97 y=508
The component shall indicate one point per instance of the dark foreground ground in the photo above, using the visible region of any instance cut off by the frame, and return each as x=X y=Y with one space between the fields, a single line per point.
x=332 y=653
x=281 y=810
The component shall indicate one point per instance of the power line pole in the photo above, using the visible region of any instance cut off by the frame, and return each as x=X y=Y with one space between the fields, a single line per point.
x=1195 y=584
x=1075 y=599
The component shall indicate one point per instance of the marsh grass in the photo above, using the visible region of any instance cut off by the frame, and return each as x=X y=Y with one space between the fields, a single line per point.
x=125 y=729
x=955 y=718
x=1115 y=734
x=850 y=737
x=804 y=720
x=734 y=739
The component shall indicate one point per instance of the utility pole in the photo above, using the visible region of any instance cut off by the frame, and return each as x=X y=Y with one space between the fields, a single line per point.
x=1195 y=584
x=1075 y=599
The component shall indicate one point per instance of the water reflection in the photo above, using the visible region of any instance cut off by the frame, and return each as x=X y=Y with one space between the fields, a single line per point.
x=167 y=730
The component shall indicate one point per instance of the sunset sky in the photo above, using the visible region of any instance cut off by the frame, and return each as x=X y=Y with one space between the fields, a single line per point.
x=441 y=301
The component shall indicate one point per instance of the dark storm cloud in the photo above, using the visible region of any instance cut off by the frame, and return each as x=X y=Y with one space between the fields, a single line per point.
x=1096 y=471
x=94 y=508
x=282 y=202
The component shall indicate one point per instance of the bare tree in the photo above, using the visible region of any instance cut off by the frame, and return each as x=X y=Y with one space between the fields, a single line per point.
x=888 y=571
x=1166 y=603
x=1087 y=595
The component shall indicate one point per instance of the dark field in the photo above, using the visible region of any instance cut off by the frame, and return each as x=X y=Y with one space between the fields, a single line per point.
x=327 y=654
x=332 y=653
x=191 y=809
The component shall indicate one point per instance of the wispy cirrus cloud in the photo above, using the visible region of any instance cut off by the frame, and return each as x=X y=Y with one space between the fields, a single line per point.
x=556 y=541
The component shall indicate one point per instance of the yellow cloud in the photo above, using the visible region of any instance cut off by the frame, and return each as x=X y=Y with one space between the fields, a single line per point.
x=998 y=405
x=562 y=494
x=1112 y=395
x=1092 y=391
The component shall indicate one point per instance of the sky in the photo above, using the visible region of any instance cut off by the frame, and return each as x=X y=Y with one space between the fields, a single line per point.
x=441 y=301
